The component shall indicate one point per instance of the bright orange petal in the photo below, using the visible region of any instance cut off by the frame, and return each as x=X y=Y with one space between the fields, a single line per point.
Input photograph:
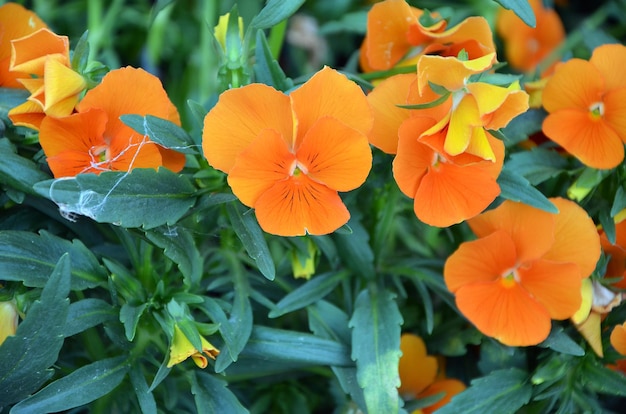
x=506 y=313
x=590 y=140
x=388 y=116
x=575 y=84
x=335 y=155
x=329 y=93
x=482 y=260
x=610 y=59
x=449 y=194
x=555 y=285
x=386 y=43
x=614 y=110
x=30 y=52
x=29 y=114
x=133 y=151
x=618 y=338
x=417 y=369
x=414 y=158
x=476 y=28
x=264 y=162
x=516 y=103
x=449 y=386
x=576 y=238
x=239 y=117
x=298 y=206
x=531 y=229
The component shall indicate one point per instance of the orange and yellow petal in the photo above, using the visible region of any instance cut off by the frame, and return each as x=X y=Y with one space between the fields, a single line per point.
x=239 y=117
x=386 y=43
x=30 y=52
x=497 y=105
x=132 y=151
x=610 y=60
x=589 y=139
x=388 y=116
x=417 y=369
x=61 y=83
x=618 y=338
x=461 y=129
x=504 y=311
x=557 y=286
x=576 y=237
x=474 y=28
x=478 y=261
x=335 y=154
x=79 y=132
x=299 y=206
x=329 y=93
x=532 y=230
x=29 y=114
x=449 y=386
x=181 y=349
x=264 y=162
x=576 y=84
x=450 y=72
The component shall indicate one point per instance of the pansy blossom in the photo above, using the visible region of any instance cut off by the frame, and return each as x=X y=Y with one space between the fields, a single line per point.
x=288 y=156
x=525 y=269
x=54 y=86
x=94 y=139
x=586 y=102
x=15 y=22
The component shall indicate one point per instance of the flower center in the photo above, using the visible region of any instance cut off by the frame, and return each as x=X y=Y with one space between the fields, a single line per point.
x=438 y=159
x=296 y=169
x=510 y=278
x=596 y=110
x=99 y=153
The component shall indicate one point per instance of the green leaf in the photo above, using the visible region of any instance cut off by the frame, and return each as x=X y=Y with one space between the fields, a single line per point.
x=602 y=379
x=503 y=391
x=29 y=258
x=376 y=332
x=523 y=126
x=619 y=202
x=427 y=105
x=26 y=357
x=10 y=98
x=252 y=237
x=537 y=165
x=179 y=245
x=88 y=313
x=297 y=348
x=516 y=188
x=560 y=342
x=355 y=249
x=312 y=291
x=146 y=400
x=586 y=182
x=274 y=12
x=521 y=8
x=80 y=54
x=16 y=171
x=266 y=69
x=608 y=225
x=82 y=386
x=494 y=356
x=213 y=396
x=163 y=132
x=129 y=316
x=143 y=197
x=353 y=22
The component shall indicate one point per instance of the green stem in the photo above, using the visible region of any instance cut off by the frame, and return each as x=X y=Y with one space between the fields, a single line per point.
x=390 y=72
x=276 y=38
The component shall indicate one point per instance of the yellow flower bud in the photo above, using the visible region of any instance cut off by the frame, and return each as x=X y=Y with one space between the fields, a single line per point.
x=182 y=349
x=8 y=320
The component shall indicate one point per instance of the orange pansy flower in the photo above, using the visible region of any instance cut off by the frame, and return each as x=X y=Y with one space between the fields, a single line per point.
x=419 y=376
x=53 y=85
x=15 y=22
x=618 y=338
x=94 y=139
x=586 y=101
x=287 y=156
x=526 y=46
x=524 y=269
x=446 y=189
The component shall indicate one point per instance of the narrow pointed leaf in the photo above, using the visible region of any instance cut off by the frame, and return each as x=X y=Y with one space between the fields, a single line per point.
x=88 y=313
x=163 y=132
x=146 y=400
x=18 y=172
x=178 y=244
x=516 y=188
x=213 y=396
x=274 y=12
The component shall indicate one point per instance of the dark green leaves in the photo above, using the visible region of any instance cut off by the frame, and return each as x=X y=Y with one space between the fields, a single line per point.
x=274 y=12
x=142 y=197
x=516 y=188
x=522 y=9
x=16 y=171
x=162 y=132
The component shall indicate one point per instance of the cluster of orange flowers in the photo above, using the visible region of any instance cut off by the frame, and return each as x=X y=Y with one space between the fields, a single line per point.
x=288 y=156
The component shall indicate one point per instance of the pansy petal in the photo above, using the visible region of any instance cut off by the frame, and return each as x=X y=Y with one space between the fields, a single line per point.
x=61 y=82
x=388 y=116
x=476 y=28
x=386 y=43
x=516 y=103
x=449 y=194
x=575 y=84
x=480 y=145
x=70 y=163
x=417 y=369
x=506 y=313
x=614 y=110
x=592 y=141
x=299 y=206
x=481 y=260
x=78 y=132
x=239 y=117
x=132 y=151
x=264 y=162
x=576 y=237
x=591 y=330
x=557 y=286
x=531 y=229
x=610 y=59
x=30 y=52
x=449 y=386
x=29 y=114
x=462 y=120
x=618 y=338
x=414 y=158
x=450 y=72
x=329 y=93
x=335 y=155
